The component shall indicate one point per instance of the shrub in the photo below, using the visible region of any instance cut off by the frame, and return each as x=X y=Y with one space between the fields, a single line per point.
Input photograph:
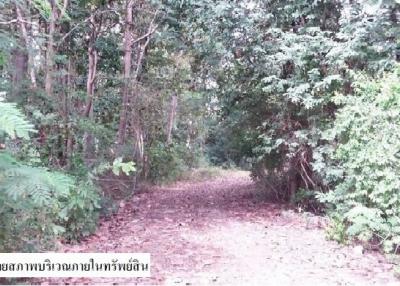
x=166 y=163
x=367 y=128
x=80 y=211
x=38 y=205
x=336 y=230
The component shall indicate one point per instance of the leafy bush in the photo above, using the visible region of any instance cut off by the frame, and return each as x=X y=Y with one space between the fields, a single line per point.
x=80 y=211
x=337 y=230
x=166 y=163
x=38 y=205
x=29 y=202
x=367 y=128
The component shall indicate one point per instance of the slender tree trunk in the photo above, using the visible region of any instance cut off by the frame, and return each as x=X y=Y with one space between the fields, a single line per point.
x=69 y=143
x=90 y=87
x=89 y=146
x=171 y=118
x=65 y=112
x=131 y=81
x=137 y=127
x=136 y=122
x=128 y=36
x=24 y=32
x=90 y=83
x=48 y=86
x=139 y=139
x=20 y=64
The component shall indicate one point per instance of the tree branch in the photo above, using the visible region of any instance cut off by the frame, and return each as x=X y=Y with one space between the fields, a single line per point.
x=83 y=22
x=16 y=21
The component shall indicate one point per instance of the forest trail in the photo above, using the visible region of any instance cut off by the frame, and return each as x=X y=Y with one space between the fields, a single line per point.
x=222 y=232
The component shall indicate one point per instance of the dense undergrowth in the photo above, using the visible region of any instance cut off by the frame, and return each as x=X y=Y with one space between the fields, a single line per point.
x=38 y=206
x=365 y=194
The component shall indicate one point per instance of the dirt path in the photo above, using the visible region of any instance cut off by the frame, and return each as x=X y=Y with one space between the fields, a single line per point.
x=222 y=232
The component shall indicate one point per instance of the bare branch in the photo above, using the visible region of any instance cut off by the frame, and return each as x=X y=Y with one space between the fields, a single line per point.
x=16 y=21
x=151 y=30
x=83 y=22
x=145 y=35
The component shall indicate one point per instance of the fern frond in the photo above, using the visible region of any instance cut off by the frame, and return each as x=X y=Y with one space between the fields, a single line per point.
x=13 y=122
x=21 y=182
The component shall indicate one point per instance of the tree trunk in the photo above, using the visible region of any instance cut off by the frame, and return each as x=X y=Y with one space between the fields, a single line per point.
x=88 y=148
x=24 y=32
x=127 y=72
x=293 y=183
x=139 y=139
x=48 y=85
x=20 y=63
x=171 y=118
x=128 y=79
x=90 y=87
x=69 y=143
x=136 y=123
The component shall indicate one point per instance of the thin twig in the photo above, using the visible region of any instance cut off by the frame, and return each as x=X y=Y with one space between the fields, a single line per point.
x=16 y=21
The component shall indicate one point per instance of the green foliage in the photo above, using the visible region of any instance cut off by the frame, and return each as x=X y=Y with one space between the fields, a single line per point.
x=306 y=200
x=336 y=230
x=166 y=162
x=43 y=7
x=38 y=184
x=125 y=167
x=367 y=127
x=30 y=201
x=12 y=121
x=79 y=212
x=37 y=205
x=116 y=167
x=240 y=83
x=271 y=69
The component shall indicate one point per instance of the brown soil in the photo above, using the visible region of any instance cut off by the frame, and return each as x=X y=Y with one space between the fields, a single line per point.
x=222 y=232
